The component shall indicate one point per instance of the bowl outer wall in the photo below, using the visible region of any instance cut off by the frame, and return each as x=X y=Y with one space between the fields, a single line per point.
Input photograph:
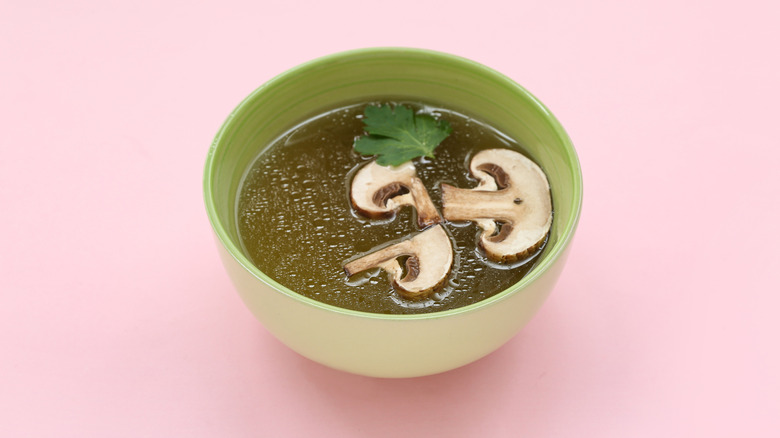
x=382 y=345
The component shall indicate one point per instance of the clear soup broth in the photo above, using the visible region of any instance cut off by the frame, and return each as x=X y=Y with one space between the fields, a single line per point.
x=297 y=225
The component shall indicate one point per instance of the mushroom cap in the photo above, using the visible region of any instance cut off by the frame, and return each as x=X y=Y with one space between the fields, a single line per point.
x=373 y=191
x=430 y=261
x=511 y=204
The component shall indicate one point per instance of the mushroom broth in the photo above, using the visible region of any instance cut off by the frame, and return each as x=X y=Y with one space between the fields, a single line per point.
x=297 y=225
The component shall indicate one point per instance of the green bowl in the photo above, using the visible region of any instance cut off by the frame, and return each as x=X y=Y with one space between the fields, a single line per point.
x=374 y=344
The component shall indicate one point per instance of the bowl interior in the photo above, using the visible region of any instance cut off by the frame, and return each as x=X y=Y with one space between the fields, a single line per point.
x=406 y=74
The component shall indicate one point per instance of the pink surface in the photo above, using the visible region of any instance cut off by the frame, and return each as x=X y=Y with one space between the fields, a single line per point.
x=118 y=320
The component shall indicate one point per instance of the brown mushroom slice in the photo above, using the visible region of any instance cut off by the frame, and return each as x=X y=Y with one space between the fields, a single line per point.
x=380 y=191
x=429 y=262
x=511 y=204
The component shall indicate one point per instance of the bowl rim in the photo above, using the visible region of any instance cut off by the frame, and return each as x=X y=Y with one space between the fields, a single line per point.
x=537 y=271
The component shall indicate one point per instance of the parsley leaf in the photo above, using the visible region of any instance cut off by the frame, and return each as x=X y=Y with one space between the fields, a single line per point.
x=398 y=135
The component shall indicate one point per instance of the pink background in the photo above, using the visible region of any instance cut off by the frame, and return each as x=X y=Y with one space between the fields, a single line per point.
x=118 y=320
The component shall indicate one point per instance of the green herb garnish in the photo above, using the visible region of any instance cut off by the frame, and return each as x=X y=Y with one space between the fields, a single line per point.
x=397 y=135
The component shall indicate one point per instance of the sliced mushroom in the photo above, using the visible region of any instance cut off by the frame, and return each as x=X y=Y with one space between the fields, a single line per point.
x=427 y=266
x=511 y=204
x=380 y=191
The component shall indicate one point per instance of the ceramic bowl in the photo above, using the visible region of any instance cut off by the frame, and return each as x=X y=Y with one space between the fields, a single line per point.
x=374 y=344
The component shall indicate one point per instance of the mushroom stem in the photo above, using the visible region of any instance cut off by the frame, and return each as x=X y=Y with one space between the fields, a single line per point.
x=379 y=258
x=427 y=214
x=466 y=204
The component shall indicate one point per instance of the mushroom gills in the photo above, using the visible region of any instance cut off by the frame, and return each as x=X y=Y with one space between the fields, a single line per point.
x=429 y=258
x=511 y=204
